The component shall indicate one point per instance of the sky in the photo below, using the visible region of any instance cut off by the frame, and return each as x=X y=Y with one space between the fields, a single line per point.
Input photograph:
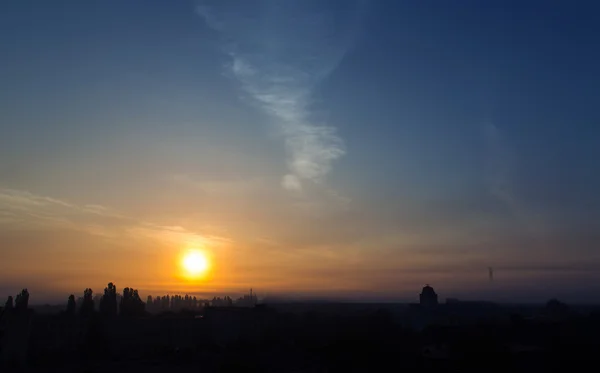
x=344 y=149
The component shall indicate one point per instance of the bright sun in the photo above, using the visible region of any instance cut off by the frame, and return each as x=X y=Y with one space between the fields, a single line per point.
x=195 y=263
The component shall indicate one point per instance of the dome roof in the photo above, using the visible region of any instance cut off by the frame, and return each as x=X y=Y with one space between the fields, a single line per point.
x=428 y=290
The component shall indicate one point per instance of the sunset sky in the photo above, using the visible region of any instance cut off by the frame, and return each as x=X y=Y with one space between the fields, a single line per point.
x=351 y=149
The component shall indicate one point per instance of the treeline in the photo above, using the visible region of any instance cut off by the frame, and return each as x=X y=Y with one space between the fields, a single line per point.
x=111 y=303
x=20 y=303
x=129 y=305
x=176 y=303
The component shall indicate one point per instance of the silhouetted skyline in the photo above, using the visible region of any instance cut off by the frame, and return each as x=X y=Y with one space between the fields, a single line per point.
x=222 y=335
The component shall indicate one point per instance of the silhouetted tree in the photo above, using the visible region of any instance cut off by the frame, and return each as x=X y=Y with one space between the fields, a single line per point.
x=108 y=303
x=138 y=305
x=22 y=300
x=131 y=304
x=167 y=302
x=71 y=305
x=87 y=306
x=97 y=301
x=125 y=300
x=9 y=303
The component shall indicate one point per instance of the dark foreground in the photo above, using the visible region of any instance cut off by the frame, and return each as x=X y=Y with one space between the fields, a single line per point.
x=294 y=338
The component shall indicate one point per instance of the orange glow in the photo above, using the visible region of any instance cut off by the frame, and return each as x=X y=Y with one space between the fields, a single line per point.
x=195 y=264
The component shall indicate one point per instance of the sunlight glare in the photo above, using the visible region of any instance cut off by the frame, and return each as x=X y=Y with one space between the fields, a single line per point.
x=195 y=263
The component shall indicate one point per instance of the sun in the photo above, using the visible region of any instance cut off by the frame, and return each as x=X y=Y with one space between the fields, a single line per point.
x=195 y=263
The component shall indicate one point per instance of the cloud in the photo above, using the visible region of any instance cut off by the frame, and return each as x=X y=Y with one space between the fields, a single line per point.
x=22 y=209
x=500 y=175
x=291 y=182
x=279 y=53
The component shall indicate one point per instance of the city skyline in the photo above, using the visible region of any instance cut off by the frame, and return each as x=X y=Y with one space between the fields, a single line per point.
x=314 y=148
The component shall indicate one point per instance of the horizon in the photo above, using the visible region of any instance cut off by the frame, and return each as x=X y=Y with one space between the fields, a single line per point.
x=324 y=148
x=502 y=298
x=401 y=301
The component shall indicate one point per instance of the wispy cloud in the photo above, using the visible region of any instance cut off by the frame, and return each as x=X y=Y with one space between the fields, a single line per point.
x=23 y=209
x=501 y=164
x=280 y=52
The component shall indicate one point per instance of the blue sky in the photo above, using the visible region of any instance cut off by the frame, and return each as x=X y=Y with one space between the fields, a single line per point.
x=320 y=147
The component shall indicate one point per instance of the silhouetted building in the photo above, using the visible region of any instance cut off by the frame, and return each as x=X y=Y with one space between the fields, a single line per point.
x=248 y=300
x=428 y=297
x=556 y=309
x=221 y=302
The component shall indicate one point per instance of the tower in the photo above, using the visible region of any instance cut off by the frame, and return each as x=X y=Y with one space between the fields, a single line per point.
x=428 y=297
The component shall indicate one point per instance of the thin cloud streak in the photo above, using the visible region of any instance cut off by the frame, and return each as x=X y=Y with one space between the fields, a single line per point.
x=24 y=209
x=501 y=162
x=279 y=54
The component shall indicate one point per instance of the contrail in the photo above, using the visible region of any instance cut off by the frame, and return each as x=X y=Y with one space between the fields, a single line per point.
x=280 y=51
x=500 y=178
